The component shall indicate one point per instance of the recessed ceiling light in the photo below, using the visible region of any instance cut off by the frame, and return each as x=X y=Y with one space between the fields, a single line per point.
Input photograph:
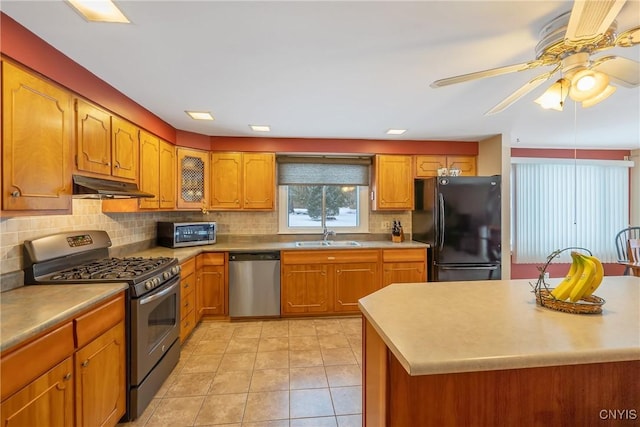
x=99 y=11
x=396 y=131
x=260 y=128
x=200 y=115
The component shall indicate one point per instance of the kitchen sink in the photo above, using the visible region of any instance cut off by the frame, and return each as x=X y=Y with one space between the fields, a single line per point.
x=323 y=243
x=340 y=243
x=312 y=244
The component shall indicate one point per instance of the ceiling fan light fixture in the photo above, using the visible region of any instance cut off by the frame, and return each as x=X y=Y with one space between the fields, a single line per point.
x=553 y=98
x=587 y=84
x=607 y=92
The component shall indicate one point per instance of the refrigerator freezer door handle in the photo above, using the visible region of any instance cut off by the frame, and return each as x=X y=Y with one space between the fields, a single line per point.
x=470 y=267
x=441 y=197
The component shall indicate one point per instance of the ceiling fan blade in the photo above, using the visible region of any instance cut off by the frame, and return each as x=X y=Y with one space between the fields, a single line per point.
x=629 y=37
x=522 y=91
x=622 y=71
x=487 y=73
x=590 y=19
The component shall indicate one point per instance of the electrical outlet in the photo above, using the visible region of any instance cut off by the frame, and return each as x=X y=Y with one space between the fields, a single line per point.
x=386 y=225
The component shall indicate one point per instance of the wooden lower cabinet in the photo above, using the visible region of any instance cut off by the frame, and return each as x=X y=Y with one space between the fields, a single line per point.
x=211 y=285
x=306 y=289
x=404 y=266
x=46 y=401
x=72 y=375
x=100 y=379
x=326 y=282
x=187 y=298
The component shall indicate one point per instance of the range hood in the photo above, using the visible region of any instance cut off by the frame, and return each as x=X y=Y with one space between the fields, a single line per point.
x=85 y=187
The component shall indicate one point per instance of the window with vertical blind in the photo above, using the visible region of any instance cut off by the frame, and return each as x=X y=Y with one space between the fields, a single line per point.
x=559 y=203
x=317 y=193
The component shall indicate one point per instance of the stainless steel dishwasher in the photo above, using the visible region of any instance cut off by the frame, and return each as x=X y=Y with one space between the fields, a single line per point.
x=254 y=284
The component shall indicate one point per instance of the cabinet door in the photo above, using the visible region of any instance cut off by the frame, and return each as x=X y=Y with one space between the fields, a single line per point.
x=466 y=164
x=426 y=166
x=306 y=289
x=100 y=379
x=403 y=272
x=352 y=282
x=93 y=134
x=210 y=291
x=259 y=180
x=149 y=170
x=37 y=135
x=47 y=401
x=125 y=149
x=226 y=181
x=167 y=175
x=193 y=179
x=393 y=184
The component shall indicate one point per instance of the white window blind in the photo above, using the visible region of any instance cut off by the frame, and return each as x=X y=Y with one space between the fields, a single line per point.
x=560 y=204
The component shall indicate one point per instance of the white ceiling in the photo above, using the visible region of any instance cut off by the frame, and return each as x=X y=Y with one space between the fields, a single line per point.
x=338 y=69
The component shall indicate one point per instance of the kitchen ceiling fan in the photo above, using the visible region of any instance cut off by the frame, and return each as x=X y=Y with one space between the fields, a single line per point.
x=567 y=43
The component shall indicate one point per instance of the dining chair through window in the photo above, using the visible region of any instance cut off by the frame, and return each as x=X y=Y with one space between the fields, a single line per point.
x=634 y=256
x=622 y=245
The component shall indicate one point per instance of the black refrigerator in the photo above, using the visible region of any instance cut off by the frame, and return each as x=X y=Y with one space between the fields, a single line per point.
x=459 y=216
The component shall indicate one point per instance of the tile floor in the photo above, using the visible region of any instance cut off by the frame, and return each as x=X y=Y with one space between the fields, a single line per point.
x=280 y=373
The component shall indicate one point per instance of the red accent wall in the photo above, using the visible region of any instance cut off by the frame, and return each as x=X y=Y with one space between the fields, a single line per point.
x=528 y=271
x=192 y=140
x=318 y=145
x=28 y=49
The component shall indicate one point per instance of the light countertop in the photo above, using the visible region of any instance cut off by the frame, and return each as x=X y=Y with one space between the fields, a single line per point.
x=185 y=253
x=447 y=327
x=28 y=310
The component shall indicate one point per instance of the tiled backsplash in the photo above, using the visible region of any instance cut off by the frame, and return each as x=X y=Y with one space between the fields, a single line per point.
x=128 y=228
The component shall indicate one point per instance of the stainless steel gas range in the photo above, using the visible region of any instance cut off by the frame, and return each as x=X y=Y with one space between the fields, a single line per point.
x=153 y=301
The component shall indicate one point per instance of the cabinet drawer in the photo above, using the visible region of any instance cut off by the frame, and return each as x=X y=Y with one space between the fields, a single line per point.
x=187 y=285
x=188 y=267
x=187 y=324
x=404 y=255
x=22 y=366
x=95 y=322
x=187 y=304
x=321 y=256
x=211 y=258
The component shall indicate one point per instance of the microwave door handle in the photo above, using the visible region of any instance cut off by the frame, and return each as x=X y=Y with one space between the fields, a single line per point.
x=160 y=294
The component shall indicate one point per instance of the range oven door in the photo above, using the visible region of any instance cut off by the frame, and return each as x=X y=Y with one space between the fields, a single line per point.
x=155 y=327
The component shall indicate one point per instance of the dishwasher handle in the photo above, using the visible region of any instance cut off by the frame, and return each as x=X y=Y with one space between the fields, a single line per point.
x=254 y=256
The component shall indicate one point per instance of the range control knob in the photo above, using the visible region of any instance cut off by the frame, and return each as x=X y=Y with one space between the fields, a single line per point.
x=166 y=275
x=175 y=269
x=148 y=285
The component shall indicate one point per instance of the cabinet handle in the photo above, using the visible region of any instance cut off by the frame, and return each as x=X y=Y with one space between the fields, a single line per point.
x=15 y=193
x=85 y=363
x=116 y=165
x=67 y=377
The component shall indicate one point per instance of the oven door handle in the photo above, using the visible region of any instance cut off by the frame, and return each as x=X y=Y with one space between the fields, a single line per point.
x=151 y=298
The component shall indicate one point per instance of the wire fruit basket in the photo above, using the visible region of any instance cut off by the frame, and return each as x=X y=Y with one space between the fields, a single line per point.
x=586 y=305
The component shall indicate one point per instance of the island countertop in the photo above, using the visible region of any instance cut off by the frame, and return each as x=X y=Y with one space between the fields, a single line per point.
x=449 y=327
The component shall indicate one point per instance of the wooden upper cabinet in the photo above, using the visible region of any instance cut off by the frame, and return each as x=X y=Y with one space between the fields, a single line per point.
x=392 y=182
x=242 y=181
x=125 y=149
x=107 y=145
x=93 y=139
x=259 y=180
x=426 y=166
x=226 y=181
x=167 y=186
x=149 y=170
x=193 y=179
x=37 y=136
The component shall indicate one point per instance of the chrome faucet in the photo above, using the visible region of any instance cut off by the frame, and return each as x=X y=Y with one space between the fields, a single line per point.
x=326 y=233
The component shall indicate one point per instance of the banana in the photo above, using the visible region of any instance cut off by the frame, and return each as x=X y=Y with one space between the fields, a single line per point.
x=599 y=274
x=562 y=291
x=584 y=283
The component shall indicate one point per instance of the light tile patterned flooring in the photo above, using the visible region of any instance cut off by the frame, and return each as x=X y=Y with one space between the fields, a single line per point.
x=276 y=373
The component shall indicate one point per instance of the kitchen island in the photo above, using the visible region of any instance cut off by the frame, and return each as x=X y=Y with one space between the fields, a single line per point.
x=484 y=354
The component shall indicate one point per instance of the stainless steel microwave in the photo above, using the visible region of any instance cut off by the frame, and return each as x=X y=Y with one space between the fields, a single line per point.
x=182 y=234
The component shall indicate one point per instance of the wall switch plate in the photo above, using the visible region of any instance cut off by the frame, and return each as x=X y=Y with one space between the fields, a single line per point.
x=386 y=225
